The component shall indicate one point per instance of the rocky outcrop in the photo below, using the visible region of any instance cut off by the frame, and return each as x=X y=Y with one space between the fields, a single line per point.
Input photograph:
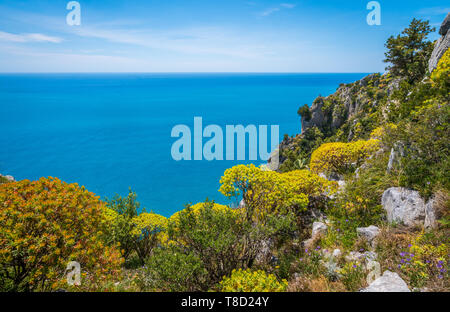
x=408 y=207
x=442 y=44
x=388 y=282
x=404 y=206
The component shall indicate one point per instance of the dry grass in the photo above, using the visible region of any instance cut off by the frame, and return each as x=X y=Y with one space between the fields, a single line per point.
x=319 y=284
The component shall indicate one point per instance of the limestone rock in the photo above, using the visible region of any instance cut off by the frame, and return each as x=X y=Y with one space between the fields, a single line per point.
x=388 y=282
x=441 y=45
x=445 y=25
x=404 y=206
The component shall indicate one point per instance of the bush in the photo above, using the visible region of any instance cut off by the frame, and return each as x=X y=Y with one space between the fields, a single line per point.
x=46 y=224
x=248 y=281
x=148 y=232
x=122 y=211
x=341 y=158
x=219 y=240
x=174 y=268
x=264 y=192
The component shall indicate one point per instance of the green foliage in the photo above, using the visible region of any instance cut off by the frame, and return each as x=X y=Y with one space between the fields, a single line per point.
x=410 y=51
x=148 y=232
x=304 y=112
x=353 y=276
x=174 y=268
x=248 y=281
x=3 y=180
x=301 y=149
x=124 y=210
x=46 y=224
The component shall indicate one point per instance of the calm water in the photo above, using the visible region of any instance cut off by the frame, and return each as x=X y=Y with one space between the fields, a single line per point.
x=110 y=132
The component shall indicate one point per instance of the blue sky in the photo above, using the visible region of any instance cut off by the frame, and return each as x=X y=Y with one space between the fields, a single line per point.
x=203 y=35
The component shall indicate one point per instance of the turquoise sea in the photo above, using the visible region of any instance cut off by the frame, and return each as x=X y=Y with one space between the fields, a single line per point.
x=110 y=132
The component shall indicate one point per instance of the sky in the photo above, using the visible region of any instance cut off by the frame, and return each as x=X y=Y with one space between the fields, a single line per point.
x=204 y=35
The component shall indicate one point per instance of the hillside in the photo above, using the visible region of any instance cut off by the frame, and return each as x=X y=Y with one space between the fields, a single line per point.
x=361 y=202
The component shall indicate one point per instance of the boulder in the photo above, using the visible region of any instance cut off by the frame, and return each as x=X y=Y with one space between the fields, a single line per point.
x=404 y=206
x=369 y=233
x=441 y=45
x=388 y=282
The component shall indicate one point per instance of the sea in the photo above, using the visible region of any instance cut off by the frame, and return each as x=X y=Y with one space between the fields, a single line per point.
x=112 y=132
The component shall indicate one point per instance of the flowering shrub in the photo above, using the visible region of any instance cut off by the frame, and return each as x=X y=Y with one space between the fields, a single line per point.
x=270 y=192
x=424 y=261
x=248 y=281
x=306 y=182
x=148 y=232
x=197 y=208
x=340 y=157
x=440 y=78
x=44 y=225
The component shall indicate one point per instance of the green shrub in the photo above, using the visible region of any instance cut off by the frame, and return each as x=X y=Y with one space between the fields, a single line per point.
x=174 y=268
x=248 y=281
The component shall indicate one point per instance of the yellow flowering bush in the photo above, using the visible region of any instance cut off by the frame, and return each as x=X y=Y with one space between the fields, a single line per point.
x=195 y=209
x=440 y=78
x=306 y=182
x=148 y=232
x=341 y=157
x=248 y=281
x=46 y=224
x=264 y=192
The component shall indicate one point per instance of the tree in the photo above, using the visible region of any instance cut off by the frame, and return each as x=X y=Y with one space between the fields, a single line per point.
x=410 y=51
x=304 y=112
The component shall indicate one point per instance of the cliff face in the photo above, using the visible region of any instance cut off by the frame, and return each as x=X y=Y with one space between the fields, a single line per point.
x=355 y=109
x=441 y=45
x=349 y=102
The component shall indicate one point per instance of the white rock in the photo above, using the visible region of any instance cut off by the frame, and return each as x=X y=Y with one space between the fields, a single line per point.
x=404 y=206
x=389 y=282
x=369 y=233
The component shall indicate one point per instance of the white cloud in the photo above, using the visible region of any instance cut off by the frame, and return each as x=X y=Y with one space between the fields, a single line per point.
x=270 y=11
x=5 y=36
x=276 y=9
x=288 y=5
